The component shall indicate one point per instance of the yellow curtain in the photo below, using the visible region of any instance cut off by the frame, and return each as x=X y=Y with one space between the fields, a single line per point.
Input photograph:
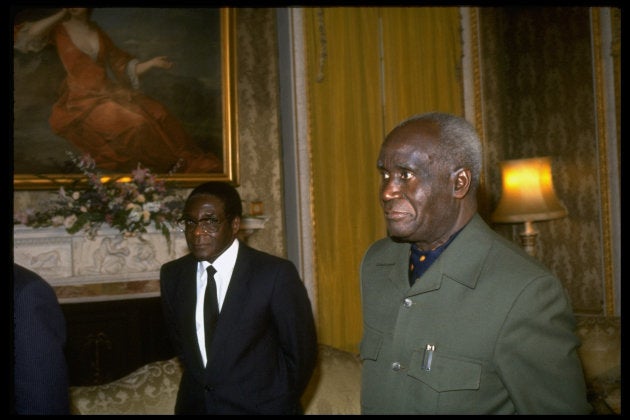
x=422 y=62
x=354 y=98
x=346 y=129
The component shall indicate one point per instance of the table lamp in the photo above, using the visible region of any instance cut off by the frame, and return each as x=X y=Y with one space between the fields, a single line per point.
x=527 y=196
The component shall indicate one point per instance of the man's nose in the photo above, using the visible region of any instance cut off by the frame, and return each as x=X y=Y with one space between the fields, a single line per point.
x=390 y=189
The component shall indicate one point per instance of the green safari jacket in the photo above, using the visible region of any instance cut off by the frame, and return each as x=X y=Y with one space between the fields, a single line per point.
x=496 y=325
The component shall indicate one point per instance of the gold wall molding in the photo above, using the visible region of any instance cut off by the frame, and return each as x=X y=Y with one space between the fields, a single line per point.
x=603 y=71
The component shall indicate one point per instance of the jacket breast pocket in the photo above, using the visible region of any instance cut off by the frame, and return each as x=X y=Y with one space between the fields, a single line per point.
x=448 y=373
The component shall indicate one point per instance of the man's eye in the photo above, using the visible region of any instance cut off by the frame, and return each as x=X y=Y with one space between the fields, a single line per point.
x=406 y=175
x=211 y=221
x=385 y=175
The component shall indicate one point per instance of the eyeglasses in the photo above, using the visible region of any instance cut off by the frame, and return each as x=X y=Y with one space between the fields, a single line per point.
x=208 y=225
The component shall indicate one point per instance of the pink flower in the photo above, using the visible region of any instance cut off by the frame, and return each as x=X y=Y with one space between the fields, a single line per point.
x=127 y=206
x=21 y=217
x=86 y=161
x=139 y=174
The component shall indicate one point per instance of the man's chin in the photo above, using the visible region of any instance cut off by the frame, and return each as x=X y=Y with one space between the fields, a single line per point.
x=398 y=239
x=202 y=255
x=398 y=236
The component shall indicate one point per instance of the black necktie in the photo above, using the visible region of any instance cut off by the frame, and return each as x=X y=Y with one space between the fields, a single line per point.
x=210 y=307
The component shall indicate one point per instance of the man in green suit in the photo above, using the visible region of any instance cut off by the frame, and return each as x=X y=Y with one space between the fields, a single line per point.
x=457 y=319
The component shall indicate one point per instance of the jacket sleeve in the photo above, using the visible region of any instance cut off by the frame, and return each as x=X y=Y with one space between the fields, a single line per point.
x=293 y=317
x=536 y=353
x=166 y=293
x=41 y=372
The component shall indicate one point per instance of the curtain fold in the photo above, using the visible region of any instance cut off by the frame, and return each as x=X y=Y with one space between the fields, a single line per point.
x=422 y=63
x=346 y=129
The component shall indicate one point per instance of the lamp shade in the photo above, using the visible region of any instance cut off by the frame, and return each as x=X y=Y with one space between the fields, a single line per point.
x=527 y=192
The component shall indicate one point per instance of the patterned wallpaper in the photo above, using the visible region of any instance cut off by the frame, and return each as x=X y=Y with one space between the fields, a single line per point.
x=538 y=101
x=259 y=123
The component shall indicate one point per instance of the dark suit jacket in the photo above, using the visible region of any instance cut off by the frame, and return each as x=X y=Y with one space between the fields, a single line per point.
x=40 y=369
x=264 y=346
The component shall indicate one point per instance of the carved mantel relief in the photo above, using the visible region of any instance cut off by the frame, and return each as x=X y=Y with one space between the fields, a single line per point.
x=107 y=267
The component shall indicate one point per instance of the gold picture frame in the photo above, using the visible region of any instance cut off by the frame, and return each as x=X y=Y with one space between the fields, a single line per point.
x=33 y=137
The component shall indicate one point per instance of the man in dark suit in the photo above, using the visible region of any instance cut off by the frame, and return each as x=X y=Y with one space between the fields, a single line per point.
x=40 y=374
x=256 y=350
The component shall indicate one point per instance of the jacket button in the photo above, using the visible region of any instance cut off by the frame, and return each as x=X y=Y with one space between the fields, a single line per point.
x=208 y=388
x=396 y=366
x=407 y=303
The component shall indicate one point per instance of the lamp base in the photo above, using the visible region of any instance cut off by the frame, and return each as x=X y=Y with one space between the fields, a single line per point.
x=528 y=238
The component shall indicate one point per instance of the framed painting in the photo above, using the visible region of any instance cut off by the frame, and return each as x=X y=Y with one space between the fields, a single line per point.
x=154 y=87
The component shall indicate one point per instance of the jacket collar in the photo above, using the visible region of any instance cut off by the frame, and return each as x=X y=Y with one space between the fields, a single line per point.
x=462 y=261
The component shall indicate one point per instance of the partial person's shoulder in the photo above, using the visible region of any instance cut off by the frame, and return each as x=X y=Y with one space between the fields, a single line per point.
x=29 y=285
x=500 y=252
x=23 y=273
x=22 y=277
x=264 y=261
x=513 y=258
x=180 y=260
x=257 y=254
x=177 y=264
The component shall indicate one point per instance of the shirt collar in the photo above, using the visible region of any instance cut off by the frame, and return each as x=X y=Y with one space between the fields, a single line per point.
x=224 y=264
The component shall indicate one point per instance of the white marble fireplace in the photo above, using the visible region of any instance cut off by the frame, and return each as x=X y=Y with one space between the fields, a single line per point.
x=106 y=267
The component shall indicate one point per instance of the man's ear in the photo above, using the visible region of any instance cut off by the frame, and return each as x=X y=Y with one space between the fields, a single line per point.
x=462 y=182
x=236 y=225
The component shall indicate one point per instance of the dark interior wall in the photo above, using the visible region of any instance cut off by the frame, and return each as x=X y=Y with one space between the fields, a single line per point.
x=538 y=99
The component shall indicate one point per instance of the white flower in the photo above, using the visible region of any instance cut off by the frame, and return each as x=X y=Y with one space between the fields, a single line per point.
x=152 y=207
x=134 y=216
x=119 y=204
x=70 y=221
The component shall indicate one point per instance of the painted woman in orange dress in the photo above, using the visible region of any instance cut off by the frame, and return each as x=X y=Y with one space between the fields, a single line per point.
x=100 y=110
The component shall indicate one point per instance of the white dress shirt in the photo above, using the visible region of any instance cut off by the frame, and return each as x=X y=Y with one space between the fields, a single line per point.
x=224 y=266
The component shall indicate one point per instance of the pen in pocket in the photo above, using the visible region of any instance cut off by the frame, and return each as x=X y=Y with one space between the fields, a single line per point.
x=428 y=357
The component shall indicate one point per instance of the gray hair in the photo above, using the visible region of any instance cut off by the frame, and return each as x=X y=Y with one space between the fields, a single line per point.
x=459 y=145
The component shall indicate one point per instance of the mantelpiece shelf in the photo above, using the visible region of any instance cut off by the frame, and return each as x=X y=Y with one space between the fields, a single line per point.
x=107 y=267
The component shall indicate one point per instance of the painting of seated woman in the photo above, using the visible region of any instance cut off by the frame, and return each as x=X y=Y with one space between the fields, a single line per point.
x=123 y=101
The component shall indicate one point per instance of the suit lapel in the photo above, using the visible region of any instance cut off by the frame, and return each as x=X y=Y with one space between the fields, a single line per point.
x=459 y=262
x=464 y=263
x=235 y=298
x=398 y=258
x=187 y=300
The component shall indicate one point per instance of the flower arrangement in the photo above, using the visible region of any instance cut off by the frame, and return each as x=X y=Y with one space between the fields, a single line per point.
x=128 y=204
